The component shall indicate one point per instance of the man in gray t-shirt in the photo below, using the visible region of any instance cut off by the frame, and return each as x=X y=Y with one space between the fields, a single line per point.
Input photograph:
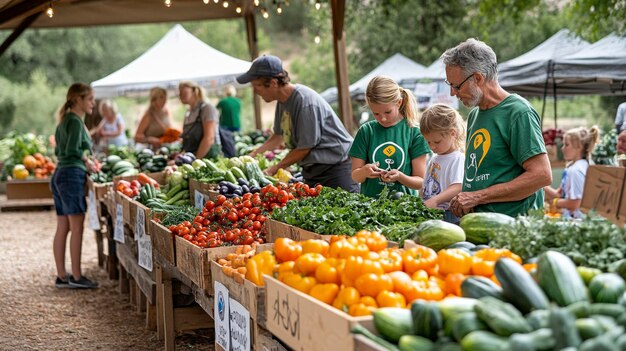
x=306 y=123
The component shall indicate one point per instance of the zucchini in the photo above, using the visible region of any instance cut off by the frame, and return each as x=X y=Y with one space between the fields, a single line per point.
x=607 y=287
x=393 y=322
x=579 y=309
x=477 y=287
x=465 y=324
x=415 y=342
x=540 y=339
x=538 y=319
x=359 y=329
x=563 y=327
x=599 y=343
x=455 y=305
x=559 y=279
x=238 y=173
x=519 y=287
x=607 y=309
x=427 y=319
x=503 y=318
x=588 y=328
x=481 y=340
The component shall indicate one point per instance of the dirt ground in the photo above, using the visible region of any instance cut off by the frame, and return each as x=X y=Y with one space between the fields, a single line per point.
x=34 y=315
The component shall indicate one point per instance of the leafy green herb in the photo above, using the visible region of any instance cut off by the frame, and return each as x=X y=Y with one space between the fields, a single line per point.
x=180 y=214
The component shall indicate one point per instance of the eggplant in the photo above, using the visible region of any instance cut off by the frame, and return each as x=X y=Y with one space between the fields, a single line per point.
x=255 y=189
x=242 y=182
x=224 y=190
x=245 y=189
x=238 y=192
x=231 y=187
x=191 y=156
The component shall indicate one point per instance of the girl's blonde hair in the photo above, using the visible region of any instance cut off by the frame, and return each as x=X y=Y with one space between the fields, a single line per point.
x=384 y=90
x=586 y=138
x=197 y=90
x=108 y=104
x=441 y=118
x=75 y=92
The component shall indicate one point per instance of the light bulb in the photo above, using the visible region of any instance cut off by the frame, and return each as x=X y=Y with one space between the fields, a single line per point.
x=317 y=5
x=257 y=3
x=225 y=4
x=206 y=2
x=317 y=39
x=168 y=3
x=238 y=9
x=279 y=9
x=266 y=14
x=50 y=11
x=216 y=1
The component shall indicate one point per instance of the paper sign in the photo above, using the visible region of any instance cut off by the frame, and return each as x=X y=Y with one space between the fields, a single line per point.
x=94 y=221
x=118 y=232
x=239 y=327
x=105 y=246
x=140 y=223
x=603 y=190
x=199 y=199
x=145 y=252
x=222 y=316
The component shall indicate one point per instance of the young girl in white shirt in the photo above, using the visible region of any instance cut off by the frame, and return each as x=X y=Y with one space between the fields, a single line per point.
x=578 y=143
x=444 y=130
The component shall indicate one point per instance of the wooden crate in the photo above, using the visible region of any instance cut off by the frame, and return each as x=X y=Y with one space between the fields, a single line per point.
x=304 y=323
x=362 y=343
x=28 y=189
x=99 y=189
x=163 y=241
x=276 y=229
x=249 y=295
x=125 y=202
x=203 y=188
x=194 y=262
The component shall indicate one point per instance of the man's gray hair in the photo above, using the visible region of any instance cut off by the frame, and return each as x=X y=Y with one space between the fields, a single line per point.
x=473 y=56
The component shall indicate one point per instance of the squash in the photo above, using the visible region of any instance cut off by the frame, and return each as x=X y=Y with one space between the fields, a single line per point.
x=579 y=309
x=465 y=324
x=619 y=268
x=588 y=328
x=607 y=309
x=392 y=322
x=415 y=342
x=559 y=279
x=359 y=329
x=477 y=287
x=607 y=287
x=540 y=339
x=451 y=306
x=519 y=287
x=538 y=319
x=480 y=227
x=563 y=325
x=427 y=319
x=438 y=234
x=481 y=340
x=501 y=317
x=20 y=172
x=599 y=343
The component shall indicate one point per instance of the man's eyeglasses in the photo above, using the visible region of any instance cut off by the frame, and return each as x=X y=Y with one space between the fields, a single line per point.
x=458 y=87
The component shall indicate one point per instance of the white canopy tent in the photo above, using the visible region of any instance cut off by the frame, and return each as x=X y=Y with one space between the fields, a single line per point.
x=397 y=67
x=177 y=56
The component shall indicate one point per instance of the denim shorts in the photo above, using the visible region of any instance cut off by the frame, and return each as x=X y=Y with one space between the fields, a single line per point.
x=68 y=190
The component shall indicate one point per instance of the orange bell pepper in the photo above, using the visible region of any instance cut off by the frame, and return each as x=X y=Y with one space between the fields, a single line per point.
x=346 y=297
x=359 y=309
x=482 y=267
x=308 y=262
x=453 y=283
x=390 y=260
x=286 y=249
x=374 y=240
x=402 y=282
x=330 y=270
x=484 y=261
x=325 y=292
x=259 y=264
x=282 y=269
x=420 y=257
x=368 y=301
x=346 y=248
x=356 y=266
x=390 y=299
x=371 y=284
x=315 y=246
x=454 y=261
x=300 y=282
x=425 y=290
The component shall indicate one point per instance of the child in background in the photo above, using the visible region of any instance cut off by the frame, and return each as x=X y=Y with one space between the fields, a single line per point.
x=112 y=127
x=578 y=143
x=390 y=151
x=444 y=130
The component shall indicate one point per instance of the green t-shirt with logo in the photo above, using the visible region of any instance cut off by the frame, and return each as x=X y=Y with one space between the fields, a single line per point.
x=499 y=141
x=393 y=148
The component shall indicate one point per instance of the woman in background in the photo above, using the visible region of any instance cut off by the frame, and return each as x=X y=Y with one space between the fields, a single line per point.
x=155 y=121
x=112 y=129
x=200 y=128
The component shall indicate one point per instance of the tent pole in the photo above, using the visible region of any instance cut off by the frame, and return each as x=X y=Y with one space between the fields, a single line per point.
x=254 y=53
x=338 y=8
x=21 y=9
x=18 y=31
x=545 y=93
x=553 y=92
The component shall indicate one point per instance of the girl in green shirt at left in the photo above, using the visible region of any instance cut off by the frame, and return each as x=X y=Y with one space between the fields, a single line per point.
x=73 y=144
x=390 y=151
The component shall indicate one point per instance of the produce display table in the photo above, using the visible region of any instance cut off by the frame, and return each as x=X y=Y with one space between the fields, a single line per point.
x=29 y=189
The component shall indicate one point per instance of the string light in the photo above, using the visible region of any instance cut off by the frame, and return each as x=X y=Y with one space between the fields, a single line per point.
x=206 y=2
x=279 y=10
x=317 y=39
x=238 y=9
x=50 y=10
x=318 y=5
x=265 y=14
x=216 y=1
x=257 y=3
x=168 y=3
x=225 y=4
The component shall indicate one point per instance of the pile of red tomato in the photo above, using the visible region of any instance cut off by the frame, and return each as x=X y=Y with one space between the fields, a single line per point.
x=239 y=221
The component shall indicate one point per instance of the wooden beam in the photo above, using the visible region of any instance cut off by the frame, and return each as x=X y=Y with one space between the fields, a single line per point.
x=20 y=9
x=253 y=47
x=338 y=8
x=17 y=32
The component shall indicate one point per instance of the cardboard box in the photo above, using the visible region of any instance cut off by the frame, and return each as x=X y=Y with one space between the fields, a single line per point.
x=249 y=295
x=28 y=189
x=304 y=323
x=604 y=192
x=194 y=262
x=163 y=241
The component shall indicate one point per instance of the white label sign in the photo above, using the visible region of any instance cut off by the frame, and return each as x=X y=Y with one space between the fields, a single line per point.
x=140 y=223
x=222 y=316
x=199 y=199
x=145 y=252
x=105 y=246
x=94 y=221
x=239 y=327
x=118 y=232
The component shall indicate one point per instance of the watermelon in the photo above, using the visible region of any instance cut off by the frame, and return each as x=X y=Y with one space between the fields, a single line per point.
x=480 y=227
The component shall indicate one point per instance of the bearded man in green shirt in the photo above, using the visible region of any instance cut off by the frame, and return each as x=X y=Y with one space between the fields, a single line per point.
x=506 y=164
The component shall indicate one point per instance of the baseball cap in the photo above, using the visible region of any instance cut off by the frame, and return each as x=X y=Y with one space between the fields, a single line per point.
x=264 y=66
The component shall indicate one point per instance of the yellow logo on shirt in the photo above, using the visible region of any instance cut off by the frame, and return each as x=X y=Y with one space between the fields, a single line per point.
x=481 y=140
x=389 y=150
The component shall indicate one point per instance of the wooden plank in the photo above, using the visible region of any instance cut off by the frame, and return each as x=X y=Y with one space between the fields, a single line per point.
x=29 y=189
x=169 y=333
x=144 y=280
x=191 y=318
x=276 y=229
x=338 y=8
x=163 y=241
x=194 y=262
x=159 y=304
x=151 y=315
x=25 y=204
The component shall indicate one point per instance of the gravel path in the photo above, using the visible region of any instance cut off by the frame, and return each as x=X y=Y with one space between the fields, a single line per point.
x=34 y=315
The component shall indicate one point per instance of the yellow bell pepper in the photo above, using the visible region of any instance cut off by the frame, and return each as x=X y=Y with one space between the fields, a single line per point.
x=259 y=264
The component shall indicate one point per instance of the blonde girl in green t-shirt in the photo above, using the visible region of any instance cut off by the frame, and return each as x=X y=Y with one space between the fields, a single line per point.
x=390 y=151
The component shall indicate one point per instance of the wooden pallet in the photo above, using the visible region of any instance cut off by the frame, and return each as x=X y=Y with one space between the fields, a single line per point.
x=25 y=204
